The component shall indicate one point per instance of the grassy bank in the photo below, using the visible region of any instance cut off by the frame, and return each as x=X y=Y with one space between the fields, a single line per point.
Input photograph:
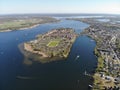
x=98 y=82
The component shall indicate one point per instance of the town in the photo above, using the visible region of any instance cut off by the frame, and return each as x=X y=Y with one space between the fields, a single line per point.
x=106 y=32
x=107 y=37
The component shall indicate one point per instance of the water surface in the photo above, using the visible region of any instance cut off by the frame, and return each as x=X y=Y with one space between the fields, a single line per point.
x=103 y=20
x=65 y=74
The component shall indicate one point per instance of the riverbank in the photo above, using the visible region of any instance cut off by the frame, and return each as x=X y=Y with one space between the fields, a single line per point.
x=23 y=22
x=22 y=28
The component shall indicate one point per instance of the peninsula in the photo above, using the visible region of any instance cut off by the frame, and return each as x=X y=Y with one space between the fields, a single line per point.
x=55 y=43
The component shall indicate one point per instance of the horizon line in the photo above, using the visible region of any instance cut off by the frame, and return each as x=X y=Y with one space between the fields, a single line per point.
x=61 y=13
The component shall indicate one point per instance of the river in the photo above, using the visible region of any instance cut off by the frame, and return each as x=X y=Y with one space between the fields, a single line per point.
x=64 y=74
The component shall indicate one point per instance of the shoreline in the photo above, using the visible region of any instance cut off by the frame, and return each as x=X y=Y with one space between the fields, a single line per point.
x=30 y=57
x=28 y=27
x=22 y=28
x=28 y=48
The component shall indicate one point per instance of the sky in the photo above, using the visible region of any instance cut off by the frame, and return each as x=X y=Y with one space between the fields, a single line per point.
x=59 y=6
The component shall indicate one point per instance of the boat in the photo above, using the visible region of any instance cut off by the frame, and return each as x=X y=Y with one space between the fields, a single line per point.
x=92 y=40
x=86 y=74
x=90 y=86
x=77 y=57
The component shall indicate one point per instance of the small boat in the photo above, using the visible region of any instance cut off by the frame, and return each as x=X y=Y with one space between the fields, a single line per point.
x=78 y=56
x=92 y=40
x=86 y=74
x=90 y=86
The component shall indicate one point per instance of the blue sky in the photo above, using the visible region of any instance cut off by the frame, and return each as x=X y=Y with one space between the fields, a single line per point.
x=59 y=6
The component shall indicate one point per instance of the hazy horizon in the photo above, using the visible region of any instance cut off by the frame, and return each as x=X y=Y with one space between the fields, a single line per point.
x=60 y=13
x=60 y=7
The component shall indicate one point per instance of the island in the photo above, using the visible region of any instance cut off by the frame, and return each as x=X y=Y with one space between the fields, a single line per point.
x=22 y=22
x=52 y=45
x=106 y=32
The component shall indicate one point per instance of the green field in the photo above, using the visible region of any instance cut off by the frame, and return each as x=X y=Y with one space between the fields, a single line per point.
x=53 y=43
x=17 y=24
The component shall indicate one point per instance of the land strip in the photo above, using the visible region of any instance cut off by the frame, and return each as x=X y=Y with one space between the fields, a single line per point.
x=107 y=37
x=21 y=22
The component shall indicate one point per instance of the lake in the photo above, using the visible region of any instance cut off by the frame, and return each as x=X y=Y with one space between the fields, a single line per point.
x=64 y=74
